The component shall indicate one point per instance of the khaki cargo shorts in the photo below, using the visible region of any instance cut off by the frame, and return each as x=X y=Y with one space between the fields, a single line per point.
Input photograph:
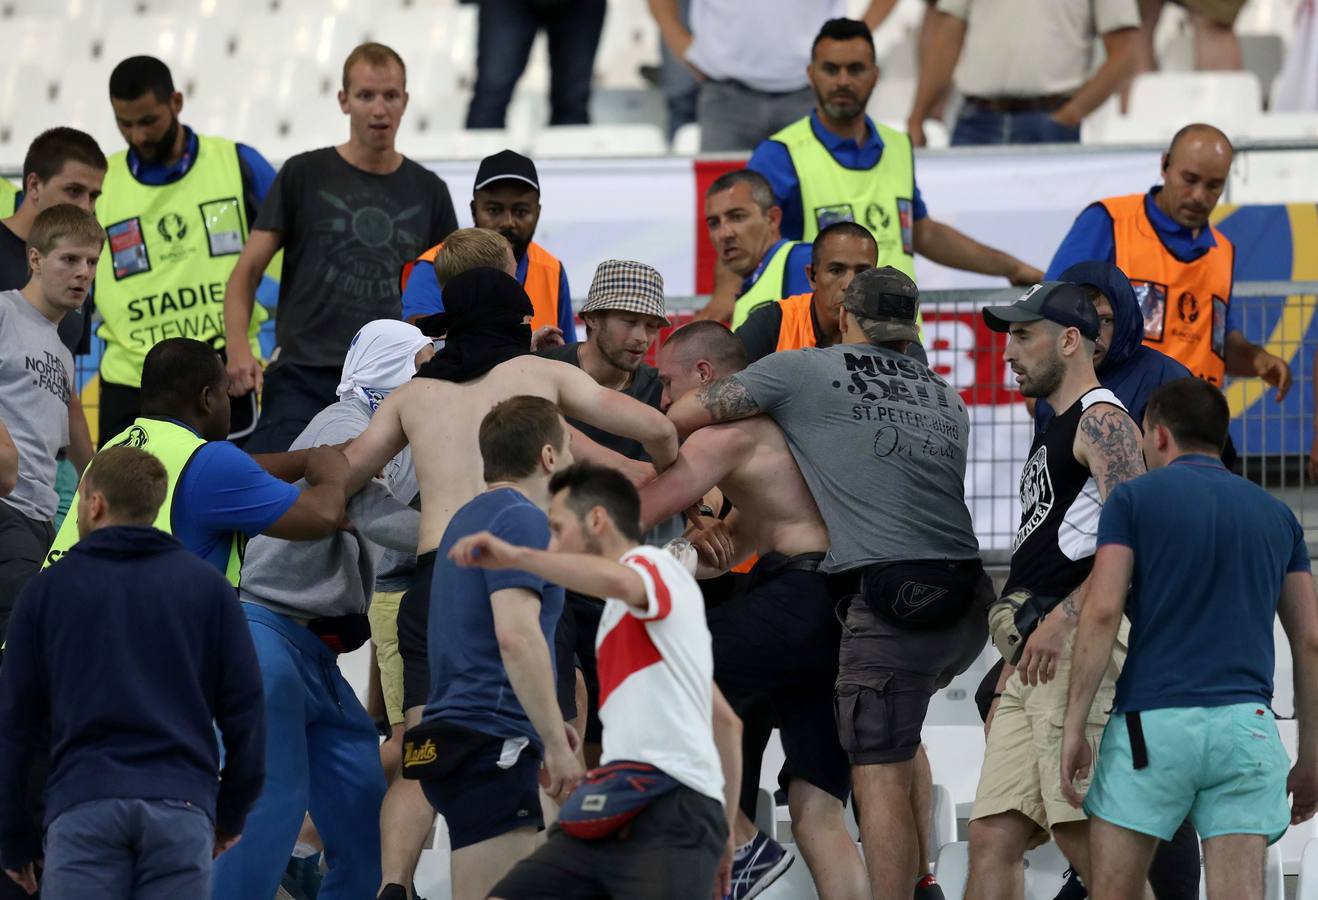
x=383 y=615
x=1023 y=756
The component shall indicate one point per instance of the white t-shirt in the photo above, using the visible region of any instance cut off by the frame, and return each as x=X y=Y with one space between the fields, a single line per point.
x=764 y=44
x=656 y=674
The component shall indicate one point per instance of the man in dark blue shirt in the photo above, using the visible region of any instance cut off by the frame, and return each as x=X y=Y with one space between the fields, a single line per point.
x=493 y=712
x=1200 y=561
x=136 y=652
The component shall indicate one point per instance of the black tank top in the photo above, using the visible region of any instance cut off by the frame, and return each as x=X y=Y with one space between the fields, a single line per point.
x=1060 y=504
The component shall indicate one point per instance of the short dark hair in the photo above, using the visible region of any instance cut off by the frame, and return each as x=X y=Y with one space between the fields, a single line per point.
x=841 y=229
x=1195 y=412
x=710 y=340
x=589 y=486
x=55 y=147
x=761 y=190
x=843 y=30
x=174 y=374
x=133 y=482
x=513 y=433
x=137 y=75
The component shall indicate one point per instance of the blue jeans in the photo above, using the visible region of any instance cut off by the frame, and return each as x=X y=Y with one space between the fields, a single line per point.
x=977 y=125
x=139 y=849
x=322 y=757
x=506 y=30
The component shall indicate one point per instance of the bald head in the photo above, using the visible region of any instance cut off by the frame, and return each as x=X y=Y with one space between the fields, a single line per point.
x=1195 y=169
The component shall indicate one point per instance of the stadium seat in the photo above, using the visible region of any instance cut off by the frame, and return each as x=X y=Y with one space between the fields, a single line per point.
x=1263 y=176
x=1306 y=885
x=1169 y=100
x=956 y=753
x=952 y=868
x=766 y=813
x=599 y=140
x=891 y=101
x=686 y=140
x=1284 y=126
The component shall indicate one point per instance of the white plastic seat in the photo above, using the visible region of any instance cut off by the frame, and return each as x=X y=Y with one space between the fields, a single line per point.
x=1229 y=100
x=686 y=140
x=952 y=868
x=599 y=140
x=956 y=754
x=1284 y=126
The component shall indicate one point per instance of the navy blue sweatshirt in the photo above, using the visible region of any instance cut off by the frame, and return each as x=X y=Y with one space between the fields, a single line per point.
x=133 y=647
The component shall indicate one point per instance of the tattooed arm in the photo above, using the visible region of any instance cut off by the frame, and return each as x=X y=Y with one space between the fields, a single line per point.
x=724 y=400
x=1108 y=442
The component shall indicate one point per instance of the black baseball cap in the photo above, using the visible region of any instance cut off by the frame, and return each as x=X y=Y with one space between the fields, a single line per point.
x=887 y=303
x=506 y=166
x=1057 y=301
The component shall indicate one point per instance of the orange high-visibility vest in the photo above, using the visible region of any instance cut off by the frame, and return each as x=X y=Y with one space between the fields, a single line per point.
x=544 y=274
x=1184 y=304
x=797 y=330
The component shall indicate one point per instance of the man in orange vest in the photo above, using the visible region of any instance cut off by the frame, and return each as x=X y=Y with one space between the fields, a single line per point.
x=506 y=199
x=1179 y=264
x=842 y=250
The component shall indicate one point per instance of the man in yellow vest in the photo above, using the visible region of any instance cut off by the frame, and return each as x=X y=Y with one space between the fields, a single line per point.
x=842 y=251
x=837 y=164
x=218 y=496
x=506 y=199
x=1179 y=264
x=744 y=222
x=177 y=207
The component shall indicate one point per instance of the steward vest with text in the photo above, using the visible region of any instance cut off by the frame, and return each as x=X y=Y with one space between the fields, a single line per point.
x=881 y=198
x=544 y=274
x=797 y=330
x=1184 y=304
x=768 y=286
x=172 y=444
x=171 y=250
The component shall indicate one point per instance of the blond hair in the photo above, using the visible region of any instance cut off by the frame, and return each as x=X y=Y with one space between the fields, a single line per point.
x=61 y=222
x=375 y=55
x=471 y=248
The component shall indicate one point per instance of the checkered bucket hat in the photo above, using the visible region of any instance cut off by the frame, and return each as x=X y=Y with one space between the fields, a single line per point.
x=627 y=285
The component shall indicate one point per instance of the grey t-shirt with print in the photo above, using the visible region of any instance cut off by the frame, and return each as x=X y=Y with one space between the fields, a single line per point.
x=36 y=376
x=881 y=440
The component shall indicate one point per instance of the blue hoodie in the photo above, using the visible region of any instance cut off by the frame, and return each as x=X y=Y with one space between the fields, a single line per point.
x=1130 y=370
x=136 y=651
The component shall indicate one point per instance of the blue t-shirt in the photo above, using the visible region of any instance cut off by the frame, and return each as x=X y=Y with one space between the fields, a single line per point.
x=1091 y=238
x=772 y=160
x=224 y=491
x=423 y=297
x=468 y=683
x=1211 y=552
x=795 y=279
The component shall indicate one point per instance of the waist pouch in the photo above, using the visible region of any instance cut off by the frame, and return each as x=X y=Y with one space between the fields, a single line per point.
x=342 y=634
x=610 y=797
x=922 y=595
x=437 y=749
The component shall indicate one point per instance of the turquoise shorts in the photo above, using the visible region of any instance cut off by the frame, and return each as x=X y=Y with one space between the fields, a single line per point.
x=1224 y=766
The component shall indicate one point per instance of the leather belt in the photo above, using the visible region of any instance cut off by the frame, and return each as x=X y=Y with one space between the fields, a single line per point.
x=1020 y=104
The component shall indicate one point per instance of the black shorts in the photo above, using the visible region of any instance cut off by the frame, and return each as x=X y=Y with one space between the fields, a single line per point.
x=886 y=675
x=413 y=624
x=480 y=801
x=778 y=643
x=24 y=544
x=585 y=613
x=671 y=851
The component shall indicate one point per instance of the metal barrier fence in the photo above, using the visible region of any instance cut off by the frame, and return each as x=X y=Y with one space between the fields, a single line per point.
x=1273 y=440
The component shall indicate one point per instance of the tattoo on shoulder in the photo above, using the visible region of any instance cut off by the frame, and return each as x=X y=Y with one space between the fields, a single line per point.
x=727 y=398
x=1115 y=454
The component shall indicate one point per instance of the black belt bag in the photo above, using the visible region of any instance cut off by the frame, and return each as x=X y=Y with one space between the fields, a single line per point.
x=922 y=595
x=436 y=749
x=342 y=634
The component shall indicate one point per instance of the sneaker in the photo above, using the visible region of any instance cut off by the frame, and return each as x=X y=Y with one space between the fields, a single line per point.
x=927 y=889
x=1074 y=889
x=760 y=866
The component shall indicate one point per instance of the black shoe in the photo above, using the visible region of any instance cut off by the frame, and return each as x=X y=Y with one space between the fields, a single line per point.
x=927 y=889
x=1074 y=889
x=392 y=892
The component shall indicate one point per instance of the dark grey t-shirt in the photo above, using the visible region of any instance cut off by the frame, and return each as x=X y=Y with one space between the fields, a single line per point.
x=881 y=440
x=346 y=235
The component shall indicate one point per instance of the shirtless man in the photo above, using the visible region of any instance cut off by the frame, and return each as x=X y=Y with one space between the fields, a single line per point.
x=780 y=639
x=440 y=417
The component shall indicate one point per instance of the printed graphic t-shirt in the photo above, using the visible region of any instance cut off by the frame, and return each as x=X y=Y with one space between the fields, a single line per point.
x=346 y=232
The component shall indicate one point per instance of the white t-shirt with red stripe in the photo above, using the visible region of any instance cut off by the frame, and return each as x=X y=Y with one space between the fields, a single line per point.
x=656 y=674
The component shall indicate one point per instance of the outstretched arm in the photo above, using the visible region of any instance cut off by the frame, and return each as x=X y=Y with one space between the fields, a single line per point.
x=593 y=576
x=706 y=457
x=580 y=397
x=724 y=400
